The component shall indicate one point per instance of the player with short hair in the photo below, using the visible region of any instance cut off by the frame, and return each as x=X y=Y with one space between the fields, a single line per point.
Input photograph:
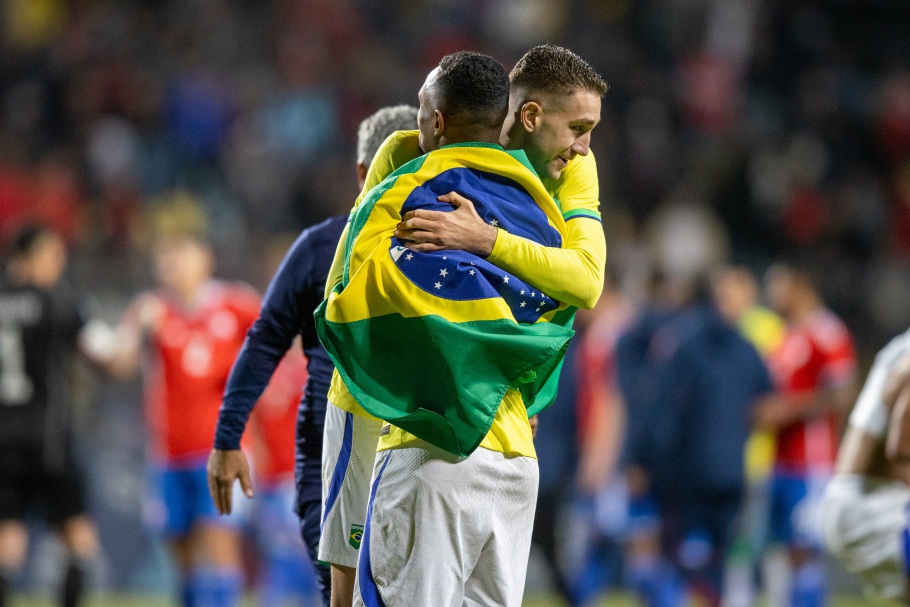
x=556 y=122
x=864 y=509
x=41 y=325
x=813 y=370
x=287 y=309
x=194 y=326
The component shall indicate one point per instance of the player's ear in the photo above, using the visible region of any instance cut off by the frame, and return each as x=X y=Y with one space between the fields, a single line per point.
x=439 y=123
x=362 y=170
x=530 y=115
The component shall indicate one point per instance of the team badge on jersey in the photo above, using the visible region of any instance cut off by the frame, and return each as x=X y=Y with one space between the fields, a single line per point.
x=356 y=536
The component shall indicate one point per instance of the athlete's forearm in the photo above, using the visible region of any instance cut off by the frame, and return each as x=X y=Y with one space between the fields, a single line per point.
x=280 y=320
x=573 y=274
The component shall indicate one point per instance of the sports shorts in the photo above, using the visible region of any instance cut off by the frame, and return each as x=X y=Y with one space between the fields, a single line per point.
x=447 y=531
x=28 y=487
x=794 y=502
x=864 y=523
x=348 y=452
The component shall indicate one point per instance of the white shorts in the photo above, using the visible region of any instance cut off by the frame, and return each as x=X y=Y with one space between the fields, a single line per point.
x=863 y=522
x=348 y=453
x=447 y=531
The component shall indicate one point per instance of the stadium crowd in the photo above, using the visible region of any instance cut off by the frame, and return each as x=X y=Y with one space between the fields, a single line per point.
x=733 y=131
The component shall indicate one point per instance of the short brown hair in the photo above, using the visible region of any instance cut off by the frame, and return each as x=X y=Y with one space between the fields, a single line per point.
x=553 y=69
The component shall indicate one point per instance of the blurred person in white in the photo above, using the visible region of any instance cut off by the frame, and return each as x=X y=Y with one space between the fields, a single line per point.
x=41 y=325
x=813 y=371
x=864 y=509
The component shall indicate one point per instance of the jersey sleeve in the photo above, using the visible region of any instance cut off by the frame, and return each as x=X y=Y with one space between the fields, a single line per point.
x=870 y=413
x=573 y=274
x=279 y=320
x=398 y=149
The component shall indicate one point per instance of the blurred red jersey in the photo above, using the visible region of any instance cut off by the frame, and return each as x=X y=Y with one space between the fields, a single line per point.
x=194 y=350
x=275 y=420
x=818 y=354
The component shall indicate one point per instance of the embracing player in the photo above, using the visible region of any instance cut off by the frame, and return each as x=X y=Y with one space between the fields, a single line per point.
x=194 y=327
x=813 y=369
x=864 y=509
x=554 y=103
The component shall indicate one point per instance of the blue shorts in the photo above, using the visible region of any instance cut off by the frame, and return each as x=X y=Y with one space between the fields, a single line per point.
x=795 y=515
x=182 y=500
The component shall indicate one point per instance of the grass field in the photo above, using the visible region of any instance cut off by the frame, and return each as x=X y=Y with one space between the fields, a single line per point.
x=531 y=601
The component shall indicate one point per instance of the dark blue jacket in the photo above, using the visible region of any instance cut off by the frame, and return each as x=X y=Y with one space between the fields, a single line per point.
x=287 y=310
x=713 y=379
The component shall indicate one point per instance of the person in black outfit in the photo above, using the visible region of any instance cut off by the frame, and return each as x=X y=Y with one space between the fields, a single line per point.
x=41 y=326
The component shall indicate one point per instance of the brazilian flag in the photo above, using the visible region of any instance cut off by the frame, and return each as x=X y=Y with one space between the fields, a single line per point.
x=431 y=342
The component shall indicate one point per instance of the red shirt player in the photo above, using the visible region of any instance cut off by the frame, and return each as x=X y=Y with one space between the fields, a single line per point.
x=194 y=327
x=814 y=370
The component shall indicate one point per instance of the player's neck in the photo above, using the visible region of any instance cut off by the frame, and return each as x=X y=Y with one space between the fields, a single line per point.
x=469 y=134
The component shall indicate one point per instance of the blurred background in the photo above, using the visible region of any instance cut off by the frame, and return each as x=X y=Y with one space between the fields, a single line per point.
x=742 y=131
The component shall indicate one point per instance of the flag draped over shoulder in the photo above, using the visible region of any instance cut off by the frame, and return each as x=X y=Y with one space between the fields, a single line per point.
x=431 y=342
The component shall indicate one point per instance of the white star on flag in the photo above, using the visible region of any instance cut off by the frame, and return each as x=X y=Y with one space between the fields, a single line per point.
x=494 y=223
x=438 y=285
x=443 y=272
x=409 y=256
x=522 y=292
x=471 y=272
x=505 y=279
x=532 y=293
x=522 y=304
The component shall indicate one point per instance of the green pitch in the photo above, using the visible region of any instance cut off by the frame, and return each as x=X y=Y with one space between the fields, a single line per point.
x=531 y=601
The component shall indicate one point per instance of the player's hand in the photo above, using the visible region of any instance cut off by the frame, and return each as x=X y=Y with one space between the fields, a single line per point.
x=458 y=230
x=534 y=424
x=223 y=468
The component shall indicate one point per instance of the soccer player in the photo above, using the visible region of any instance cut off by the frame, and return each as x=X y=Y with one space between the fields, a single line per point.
x=864 y=509
x=813 y=370
x=287 y=309
x=194 y=326
x=462 y=103
x=736 y=295
x=554 y=103
x=41 y=325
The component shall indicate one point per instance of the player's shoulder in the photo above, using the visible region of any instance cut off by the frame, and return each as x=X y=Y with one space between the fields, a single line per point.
x=399 y=148
x=328 y=230
x=578 y=187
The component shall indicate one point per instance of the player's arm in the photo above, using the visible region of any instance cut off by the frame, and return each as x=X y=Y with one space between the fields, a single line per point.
x=834 y=395
x=573 y=274
x=269 y=338
x=140 y=318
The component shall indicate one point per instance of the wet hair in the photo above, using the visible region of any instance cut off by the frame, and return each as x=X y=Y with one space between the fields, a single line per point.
x=376 y=128
x=473 y=88
x=552 y=69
